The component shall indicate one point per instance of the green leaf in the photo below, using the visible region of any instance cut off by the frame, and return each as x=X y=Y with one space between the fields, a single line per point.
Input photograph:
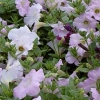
x=85 y=70
x=65 y=97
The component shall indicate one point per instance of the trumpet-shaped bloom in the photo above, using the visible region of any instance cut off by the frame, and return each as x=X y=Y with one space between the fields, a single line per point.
x=59 y=30
x=13 y=63
x=13 y=74
x=75 y=40
x=94 y=77
x=70 y=59
x=29 y=84
x=33 y=14
x=63 y=5
x=22 y=6
x=85 y=21
x=13 y=71
x=23 y=39
x=23 y=45
x=15 y=34
x=94 y=10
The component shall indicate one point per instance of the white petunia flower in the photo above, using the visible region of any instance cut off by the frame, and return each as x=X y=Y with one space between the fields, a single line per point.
x=13 y=71
x=23 y=39
x=7 y=76
x=33 y=14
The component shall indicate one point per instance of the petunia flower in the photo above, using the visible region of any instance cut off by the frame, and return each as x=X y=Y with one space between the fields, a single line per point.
x=22 y=6
x=91 y=81
x=13 y=74
x=70 y=59
x=23 y=39
x=76 y=40
x=13 y=71
x=29 y=84
x=33 y=14
x=13 y=63
x=85 y=21
x=63 y=5
x=59 y=30
x=94 y=10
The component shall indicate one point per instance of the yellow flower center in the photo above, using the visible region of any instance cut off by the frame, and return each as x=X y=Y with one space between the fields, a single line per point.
x=86 y=22
x=97 y=11
x=21 y=48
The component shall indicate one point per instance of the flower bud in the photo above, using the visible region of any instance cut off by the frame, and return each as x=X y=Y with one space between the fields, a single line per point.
x=7 y=44
x=30 y=59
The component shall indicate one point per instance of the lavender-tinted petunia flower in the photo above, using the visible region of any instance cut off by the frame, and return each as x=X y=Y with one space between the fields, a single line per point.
x=29 y=84
x=95 y=94
x=85 y=21
x=75 y=40
x=63 y=5
x=22 y=6
x=59 y=30
x=70 y=59
x=94 y=76
x=94 y=10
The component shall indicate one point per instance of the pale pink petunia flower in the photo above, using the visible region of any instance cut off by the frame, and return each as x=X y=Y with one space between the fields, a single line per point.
x=22 y=6
x=29 y=84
